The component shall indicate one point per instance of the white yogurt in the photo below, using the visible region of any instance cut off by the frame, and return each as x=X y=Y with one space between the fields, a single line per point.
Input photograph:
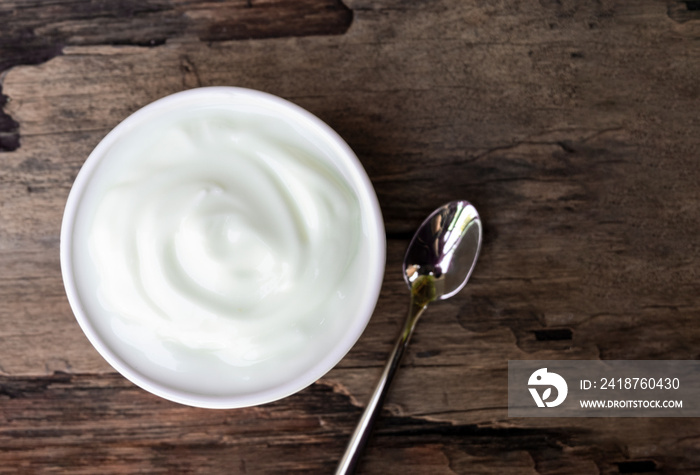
x=225 y=248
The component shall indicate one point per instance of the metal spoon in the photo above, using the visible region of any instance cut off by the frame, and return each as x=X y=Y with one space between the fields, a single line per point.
x=438 y=263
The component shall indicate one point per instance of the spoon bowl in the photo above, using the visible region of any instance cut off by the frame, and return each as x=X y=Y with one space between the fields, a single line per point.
x=438 y=263
x=446 y=247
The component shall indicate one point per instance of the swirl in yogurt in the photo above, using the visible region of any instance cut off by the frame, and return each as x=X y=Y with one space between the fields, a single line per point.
x=224 y=236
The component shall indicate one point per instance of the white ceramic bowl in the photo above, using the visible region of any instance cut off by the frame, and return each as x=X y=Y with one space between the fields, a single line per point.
x=173 y=383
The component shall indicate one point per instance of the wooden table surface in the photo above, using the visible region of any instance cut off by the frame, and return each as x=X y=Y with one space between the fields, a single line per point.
x=573 y=126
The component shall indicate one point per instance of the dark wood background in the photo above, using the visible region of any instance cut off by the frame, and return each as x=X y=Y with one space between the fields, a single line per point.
x=573 y=126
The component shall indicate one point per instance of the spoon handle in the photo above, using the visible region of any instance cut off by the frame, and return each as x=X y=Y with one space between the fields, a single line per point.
x=359 y=438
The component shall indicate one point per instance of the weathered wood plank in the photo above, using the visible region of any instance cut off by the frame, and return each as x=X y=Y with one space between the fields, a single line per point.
x=33 y=32
x=571 y=125
x=50 y=423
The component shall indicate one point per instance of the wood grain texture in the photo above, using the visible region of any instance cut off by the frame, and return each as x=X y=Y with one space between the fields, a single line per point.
x=572 y=126
x=35 y=31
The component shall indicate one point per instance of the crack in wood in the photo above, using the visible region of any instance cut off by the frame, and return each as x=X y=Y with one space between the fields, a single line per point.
x=683 y=11
x=553 y=334
x=341 y=389
x=637 y=466
x=9 y=128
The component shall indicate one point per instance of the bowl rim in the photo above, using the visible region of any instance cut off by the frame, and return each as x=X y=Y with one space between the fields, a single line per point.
x=374 y=273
